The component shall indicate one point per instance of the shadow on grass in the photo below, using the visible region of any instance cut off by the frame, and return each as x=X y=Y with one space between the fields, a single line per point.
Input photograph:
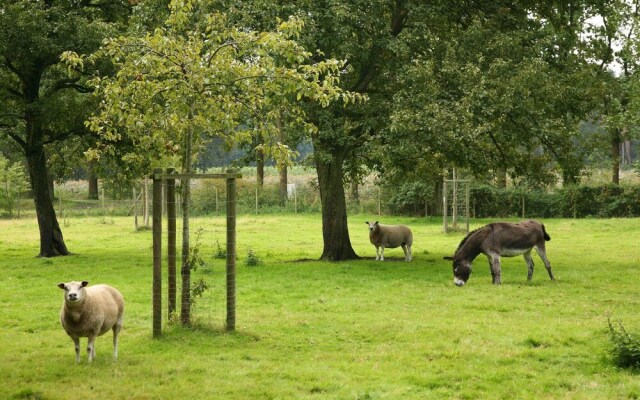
x=390 y=259
x=175 y=332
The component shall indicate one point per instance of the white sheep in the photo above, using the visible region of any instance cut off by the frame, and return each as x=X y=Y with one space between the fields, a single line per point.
x=390 y=236
x=90 y=312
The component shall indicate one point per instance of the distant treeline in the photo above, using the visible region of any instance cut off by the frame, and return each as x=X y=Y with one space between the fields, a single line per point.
x=601 y=201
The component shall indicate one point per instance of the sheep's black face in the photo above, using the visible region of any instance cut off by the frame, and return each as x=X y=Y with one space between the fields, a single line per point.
x=461 y=272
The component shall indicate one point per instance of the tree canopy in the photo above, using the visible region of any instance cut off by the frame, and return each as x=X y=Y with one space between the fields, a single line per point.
x=42 y=105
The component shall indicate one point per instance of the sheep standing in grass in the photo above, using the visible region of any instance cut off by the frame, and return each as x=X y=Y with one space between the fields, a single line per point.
x=90 y=312
x=390 y=236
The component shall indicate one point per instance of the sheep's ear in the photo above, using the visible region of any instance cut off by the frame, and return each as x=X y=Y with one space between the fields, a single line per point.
x=376 y=223
x=84 y=283
x=366 y=222
x=61 y=285
x=447 y=258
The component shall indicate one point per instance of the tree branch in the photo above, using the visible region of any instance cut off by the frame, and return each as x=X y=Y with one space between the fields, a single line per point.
x=218 y=49
x=398 y=21
x=9 y=65
x=71 y=84
x=13 y=136
x=495 y=143
x=13 y=91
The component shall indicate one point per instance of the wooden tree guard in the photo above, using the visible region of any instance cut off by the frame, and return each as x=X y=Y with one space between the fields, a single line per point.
x=159 y=179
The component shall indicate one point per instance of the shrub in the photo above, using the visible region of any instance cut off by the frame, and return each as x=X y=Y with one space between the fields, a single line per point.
x=626 y=347
x=252 y=259
x=604 y=201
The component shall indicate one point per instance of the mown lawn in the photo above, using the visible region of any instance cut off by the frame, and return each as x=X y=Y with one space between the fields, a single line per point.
x=318 y=330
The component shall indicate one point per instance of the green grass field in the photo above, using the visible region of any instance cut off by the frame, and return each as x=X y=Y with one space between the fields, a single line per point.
x=318 y=330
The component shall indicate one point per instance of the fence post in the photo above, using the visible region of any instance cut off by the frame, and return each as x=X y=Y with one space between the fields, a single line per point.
x=157 y=253
x=135 y=208
x=467 y=194
x=231 y=250
x=445 y=227
x=171 y=242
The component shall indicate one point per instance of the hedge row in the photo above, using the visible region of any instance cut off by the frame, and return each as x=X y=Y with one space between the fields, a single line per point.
x=603 y=201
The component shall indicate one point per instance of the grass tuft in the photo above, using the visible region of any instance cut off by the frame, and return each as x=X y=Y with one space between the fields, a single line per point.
x=625 y=349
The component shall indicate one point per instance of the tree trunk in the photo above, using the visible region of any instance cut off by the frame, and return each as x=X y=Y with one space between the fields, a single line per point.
x=284 y=180
x=185 y=271
x=335 y=232
x=93 y=183
x=615 y=157
x=501 y=177
x=51 y=186
x=260 y=168
x=355 y=192
x=51 y=240
x=282 y=167
x=438 y=200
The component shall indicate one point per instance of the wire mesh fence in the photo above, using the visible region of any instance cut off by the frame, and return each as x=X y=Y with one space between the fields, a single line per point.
x=207 y=198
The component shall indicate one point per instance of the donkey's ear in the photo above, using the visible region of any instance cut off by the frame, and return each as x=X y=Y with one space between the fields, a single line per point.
x=447 y=258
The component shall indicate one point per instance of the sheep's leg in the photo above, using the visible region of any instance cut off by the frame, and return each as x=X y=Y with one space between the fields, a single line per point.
x=116 y=331
x=529 y=260
x=76 y=343
x=381 y=253
x=377 y=253
x=91 y=348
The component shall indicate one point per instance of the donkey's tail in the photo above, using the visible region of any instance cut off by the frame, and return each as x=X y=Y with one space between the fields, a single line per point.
x=544 y=232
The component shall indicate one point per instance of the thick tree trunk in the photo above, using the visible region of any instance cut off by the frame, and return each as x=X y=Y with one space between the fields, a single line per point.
x=615 y=156
x=335 y=232
x=51 y=240
x=50 y=184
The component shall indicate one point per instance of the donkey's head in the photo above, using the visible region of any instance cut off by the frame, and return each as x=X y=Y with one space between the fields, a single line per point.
x=461 y=270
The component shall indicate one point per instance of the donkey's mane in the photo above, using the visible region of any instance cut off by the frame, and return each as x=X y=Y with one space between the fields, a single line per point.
x=467 y=238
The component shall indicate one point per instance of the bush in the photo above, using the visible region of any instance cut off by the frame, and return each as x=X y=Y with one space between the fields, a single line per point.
x=604 y=201
x=252 y=259
x=409 y=198
x=626 y=347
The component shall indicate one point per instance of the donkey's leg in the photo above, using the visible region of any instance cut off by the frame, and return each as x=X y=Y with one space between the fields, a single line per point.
x=529 y=260
x=490 y=260
x=494 y=263
x=407 y=252
x=543 y=255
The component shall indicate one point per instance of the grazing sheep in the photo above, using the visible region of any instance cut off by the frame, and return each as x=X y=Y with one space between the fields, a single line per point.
x=90 y=312
x=390 y=236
